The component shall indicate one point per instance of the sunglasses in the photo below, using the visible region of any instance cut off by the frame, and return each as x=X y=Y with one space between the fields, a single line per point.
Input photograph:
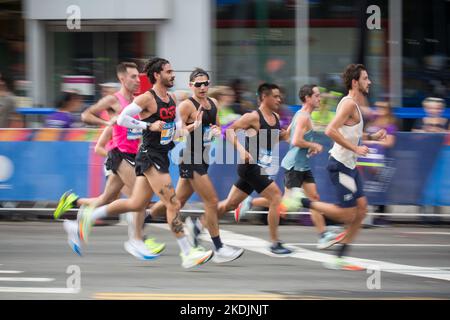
x=199 y=84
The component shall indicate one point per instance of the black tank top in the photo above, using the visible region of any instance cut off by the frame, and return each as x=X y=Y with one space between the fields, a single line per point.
x=260 y=145
x=192 y=148
x=165 y=112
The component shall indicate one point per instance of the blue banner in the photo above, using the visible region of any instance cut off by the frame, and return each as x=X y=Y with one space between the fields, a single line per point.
x=416 y=171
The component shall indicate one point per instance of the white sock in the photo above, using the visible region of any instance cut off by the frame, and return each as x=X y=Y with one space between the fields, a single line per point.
x=99 y=213
x=184 y=245
x=198 y=223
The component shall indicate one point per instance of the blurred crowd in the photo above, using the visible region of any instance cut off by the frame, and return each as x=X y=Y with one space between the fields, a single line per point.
x=234 y=100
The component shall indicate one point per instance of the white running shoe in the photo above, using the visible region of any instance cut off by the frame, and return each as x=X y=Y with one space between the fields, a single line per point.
x=138 y=249
x=195 y=257
x=227 y=254
x=73 y=239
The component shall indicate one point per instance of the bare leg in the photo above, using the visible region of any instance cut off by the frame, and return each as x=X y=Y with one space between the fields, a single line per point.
x=273 y=194
x=205 y=189
x=235 y=197
x=313 y=195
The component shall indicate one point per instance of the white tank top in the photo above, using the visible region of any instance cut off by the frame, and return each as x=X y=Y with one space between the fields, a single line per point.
x=351 y=133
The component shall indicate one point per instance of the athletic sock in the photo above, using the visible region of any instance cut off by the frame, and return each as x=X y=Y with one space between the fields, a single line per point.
x=342 y=250
x=322 y=234
x=99 y=213
x=217 y=242
x=184 y=245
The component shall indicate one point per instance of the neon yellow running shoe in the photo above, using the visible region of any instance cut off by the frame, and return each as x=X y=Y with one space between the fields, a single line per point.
x=85 y=222
x=153 y=246
x=66 y=202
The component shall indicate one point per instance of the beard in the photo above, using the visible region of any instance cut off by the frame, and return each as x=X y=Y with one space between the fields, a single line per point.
x=168 y=82
x=365 y=92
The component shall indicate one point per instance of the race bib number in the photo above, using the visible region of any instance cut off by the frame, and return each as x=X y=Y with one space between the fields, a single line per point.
x=208 y=136
x=265 y=158
x=134 y=134
x=167 y=133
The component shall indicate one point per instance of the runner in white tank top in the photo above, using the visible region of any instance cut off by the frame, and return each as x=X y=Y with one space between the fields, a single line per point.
x=346 y=130
x=352 y=133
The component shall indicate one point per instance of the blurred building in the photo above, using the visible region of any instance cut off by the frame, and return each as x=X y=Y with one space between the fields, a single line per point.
x=405 y=44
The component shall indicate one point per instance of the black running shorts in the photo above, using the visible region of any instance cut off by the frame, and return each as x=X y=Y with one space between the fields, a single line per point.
x=115 y=157
x=252 y=179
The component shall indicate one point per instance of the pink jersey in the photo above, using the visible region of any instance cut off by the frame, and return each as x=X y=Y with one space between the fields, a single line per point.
x=126 y=140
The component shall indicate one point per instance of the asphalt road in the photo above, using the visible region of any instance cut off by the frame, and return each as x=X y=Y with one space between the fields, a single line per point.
x=403 y=263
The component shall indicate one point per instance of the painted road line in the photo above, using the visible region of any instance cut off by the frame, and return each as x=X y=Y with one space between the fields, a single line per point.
x=39 y=290
x=187 y=296
x=261 y=246
x=10 y=271
x=376 y=244
x=427 y=232
x=26 y=279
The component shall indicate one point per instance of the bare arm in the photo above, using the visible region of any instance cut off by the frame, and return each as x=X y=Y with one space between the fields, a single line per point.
x=298 y=139
x=100 y=147
x=185 y=110
x=343 y=114
x=247 y=121
x=90 y=115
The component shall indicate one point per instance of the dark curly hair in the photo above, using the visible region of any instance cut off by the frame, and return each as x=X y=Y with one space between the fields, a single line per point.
x=154 y=65
x=352 y=72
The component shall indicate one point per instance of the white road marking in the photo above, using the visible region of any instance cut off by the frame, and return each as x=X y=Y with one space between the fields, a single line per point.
x=39 y=290
x=377 y=244
x=428 y=232
x=10 y=271
x=26 y=279
x=261 y=246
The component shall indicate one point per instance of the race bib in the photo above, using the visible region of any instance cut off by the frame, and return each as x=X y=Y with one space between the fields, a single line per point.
x=134 y=134
x=208 y=136
x=265 y=158
x=167 y=133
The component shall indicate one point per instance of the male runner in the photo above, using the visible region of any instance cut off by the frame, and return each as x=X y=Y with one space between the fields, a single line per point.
x=195 y=162
x=157 y=110
x=346 y=129
x=298 y=173
x=121 y=161
x=262 y=134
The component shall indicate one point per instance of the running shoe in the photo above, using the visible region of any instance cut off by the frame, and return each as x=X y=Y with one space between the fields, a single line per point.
x=243 y=208
x=85 y=222
x=227 y=254
x=329 y=239
x=73 y=239
x=292 y=200
x=280 y=249
x=192 y=231
x=66 y=202
x=340 y=264
x=195 y=257
x=153 y=246
x=138 y=249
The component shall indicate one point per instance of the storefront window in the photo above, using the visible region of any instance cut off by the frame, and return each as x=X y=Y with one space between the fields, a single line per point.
x=92 y=57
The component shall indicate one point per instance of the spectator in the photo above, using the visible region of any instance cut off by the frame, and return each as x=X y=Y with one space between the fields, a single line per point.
x=7 y=102
x=69 y=103
x=326 y=111
x=379 y=175
x=225 y=98
x=240 y=105
x=433 y=120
